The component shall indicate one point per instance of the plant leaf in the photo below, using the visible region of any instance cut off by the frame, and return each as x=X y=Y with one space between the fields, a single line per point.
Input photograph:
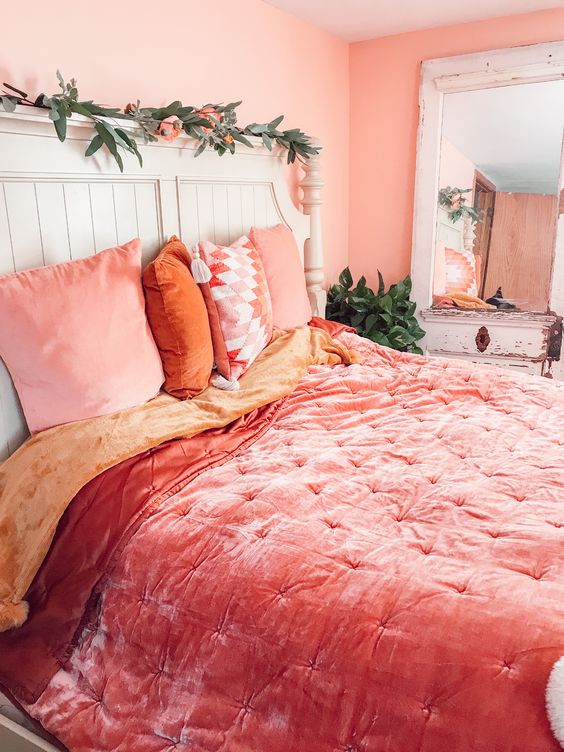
x=107 y=137
x=345 y=278
x=8 y=103
x=267 y=141
x=94 y=145
x=386 y=303
x=61 y=122
x=242 y=140
x=381 y=286
x=131 y=144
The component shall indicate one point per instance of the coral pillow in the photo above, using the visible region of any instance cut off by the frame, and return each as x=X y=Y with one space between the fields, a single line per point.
x=239 y=307
x=76 y=340
x=460 y=271
x=284 y=274
x=179 y=321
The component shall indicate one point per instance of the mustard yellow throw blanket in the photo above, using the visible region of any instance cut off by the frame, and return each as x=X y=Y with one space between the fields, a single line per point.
x=41 y=478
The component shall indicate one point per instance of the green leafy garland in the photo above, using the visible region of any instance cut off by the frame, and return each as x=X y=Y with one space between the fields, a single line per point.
x=455 y=202
x=213 y=126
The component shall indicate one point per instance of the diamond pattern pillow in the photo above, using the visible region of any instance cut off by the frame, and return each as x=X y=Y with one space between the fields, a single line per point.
x=239 y=308
x=460 y=271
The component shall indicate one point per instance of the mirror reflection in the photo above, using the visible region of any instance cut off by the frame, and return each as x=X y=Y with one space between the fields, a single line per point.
x=500 y=185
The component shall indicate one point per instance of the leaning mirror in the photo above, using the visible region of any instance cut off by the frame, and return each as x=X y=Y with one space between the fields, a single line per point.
x=498 y=199
x=488 y=233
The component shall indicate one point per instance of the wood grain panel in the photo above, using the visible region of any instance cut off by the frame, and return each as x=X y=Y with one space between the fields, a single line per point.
x=522 y=248
x=148 y=219
x=483 y=232
x=247 y=207
x=79 y=219
x=235 y=212
x=223 y=211
x=221 y=214
x=261 y=197
x=207 y=223
x=125 y=212
x=189 y=213
x=7 y=260
x=53 y=220
x=103 y=212
x=25 y=231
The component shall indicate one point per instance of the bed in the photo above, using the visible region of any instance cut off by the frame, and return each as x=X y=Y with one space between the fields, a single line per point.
x=367 y=558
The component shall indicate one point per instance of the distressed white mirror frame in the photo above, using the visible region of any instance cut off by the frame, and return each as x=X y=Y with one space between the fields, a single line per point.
x=518 y=65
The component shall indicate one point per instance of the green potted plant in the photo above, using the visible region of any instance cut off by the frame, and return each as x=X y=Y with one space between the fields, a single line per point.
x=387 y=318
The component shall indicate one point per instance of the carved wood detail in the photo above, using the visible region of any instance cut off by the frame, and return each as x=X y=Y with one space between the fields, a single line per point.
x=483 y=339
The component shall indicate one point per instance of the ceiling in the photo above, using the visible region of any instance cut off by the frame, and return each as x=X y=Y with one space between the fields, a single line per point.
x=354 y=20
x=513 y=134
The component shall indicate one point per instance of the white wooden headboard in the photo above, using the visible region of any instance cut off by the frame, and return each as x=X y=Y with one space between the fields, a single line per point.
x=57 y=205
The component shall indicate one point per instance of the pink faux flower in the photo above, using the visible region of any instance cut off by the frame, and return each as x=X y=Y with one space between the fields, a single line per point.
x=170 y=128
x=204 y=112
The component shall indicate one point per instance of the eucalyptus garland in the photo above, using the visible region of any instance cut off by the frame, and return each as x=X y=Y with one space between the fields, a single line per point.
x=213 y=126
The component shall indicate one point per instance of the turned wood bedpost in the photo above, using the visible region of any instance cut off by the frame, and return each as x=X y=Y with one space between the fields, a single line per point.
x=313 y=248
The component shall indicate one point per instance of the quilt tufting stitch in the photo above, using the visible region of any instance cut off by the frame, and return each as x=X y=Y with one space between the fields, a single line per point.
x=381 y=571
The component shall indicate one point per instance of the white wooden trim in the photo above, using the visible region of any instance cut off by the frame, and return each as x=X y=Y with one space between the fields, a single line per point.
x=312 y=186
x=15 y=738
x=522 y=319
x=56 y=205
x=557 y=282
x=518 y=65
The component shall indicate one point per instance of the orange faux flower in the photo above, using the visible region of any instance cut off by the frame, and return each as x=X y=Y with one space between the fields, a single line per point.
x=170 y=128
x=228 y=139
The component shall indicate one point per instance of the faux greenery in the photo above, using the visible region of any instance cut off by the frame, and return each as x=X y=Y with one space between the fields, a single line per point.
x=384 y=317
x=456 y=204
x=213 y=125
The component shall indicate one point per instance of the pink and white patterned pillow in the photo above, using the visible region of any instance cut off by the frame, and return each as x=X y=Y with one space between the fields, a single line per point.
x=460 y=271
x=239 y=307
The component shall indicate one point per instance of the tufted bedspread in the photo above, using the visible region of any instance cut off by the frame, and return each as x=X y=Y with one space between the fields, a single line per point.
x=381 y=569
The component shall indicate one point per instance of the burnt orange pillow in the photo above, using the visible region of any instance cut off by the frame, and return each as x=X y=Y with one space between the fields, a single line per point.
x=179 y=321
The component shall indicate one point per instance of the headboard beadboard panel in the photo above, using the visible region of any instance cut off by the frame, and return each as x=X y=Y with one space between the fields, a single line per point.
x=56 y=205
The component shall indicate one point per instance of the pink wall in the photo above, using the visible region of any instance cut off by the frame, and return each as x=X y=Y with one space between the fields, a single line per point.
x=384 y=75
x=198 y=52
x=276 y=64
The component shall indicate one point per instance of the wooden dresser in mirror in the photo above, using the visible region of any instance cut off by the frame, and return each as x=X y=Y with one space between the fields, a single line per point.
x=488 y=248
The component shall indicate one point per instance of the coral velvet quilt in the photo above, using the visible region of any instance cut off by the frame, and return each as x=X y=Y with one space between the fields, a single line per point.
x=373 y=563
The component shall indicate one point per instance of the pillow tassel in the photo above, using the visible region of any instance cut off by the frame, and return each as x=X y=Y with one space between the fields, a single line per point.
x=199 y=268
x=228 y=385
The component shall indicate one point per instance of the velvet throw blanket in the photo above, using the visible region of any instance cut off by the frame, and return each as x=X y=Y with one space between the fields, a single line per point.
x=93 y=531
x=40 y=479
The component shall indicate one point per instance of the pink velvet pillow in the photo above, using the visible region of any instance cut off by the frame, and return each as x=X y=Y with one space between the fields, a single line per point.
x=75 y=338
x=284 y=274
